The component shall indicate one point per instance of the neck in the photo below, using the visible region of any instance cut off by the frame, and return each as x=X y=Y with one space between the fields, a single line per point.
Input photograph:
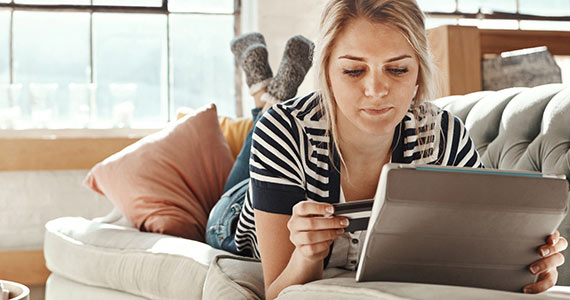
x=361 y=148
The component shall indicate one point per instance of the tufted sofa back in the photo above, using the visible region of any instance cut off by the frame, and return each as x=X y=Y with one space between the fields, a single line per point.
x=520 y=129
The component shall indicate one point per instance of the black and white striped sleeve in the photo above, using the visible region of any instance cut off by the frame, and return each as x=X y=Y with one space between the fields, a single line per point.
x=276 y=163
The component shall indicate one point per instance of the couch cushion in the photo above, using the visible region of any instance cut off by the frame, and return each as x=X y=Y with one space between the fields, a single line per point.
x=150 y=265
x=234 y=278
x=58 y=287
x=231 y=277
x=347 y=288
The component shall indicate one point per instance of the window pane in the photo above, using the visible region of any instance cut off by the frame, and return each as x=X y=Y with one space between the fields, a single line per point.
x=472 y=6
x=202 y=61
x=440 y=6
x=490 y=24
x=51 y=50
x=9 y=108
x=554 y=7
x=213 y=6
x=545 y=25
x=130 y=60
x=154 y=3
x=4 y=46
x=436 y=22
x=54 y=2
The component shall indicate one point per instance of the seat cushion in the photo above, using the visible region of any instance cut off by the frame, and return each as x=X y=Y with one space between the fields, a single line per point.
x=231 y=277
x=149 y=265
x=58 y=287
x=348 y=288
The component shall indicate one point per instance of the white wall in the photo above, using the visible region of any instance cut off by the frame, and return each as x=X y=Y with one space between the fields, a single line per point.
x=278 y=20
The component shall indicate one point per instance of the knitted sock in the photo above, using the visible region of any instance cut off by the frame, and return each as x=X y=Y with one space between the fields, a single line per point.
x=296 y=62
x=251 y=54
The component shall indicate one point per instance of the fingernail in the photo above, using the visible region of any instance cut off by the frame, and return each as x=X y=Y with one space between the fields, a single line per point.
x=340 y=231
x=329 y=209
x=545 y=252
x=527 y=290
x=344 y=222
x=534 y=269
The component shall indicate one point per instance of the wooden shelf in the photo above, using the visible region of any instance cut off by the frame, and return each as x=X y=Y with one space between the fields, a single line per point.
x=497 y=41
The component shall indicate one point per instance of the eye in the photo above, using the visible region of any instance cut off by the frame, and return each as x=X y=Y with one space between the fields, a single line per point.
x=398 y=71
x=352 y=73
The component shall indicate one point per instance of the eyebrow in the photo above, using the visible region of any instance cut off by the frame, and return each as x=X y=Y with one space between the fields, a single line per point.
x=393 y=59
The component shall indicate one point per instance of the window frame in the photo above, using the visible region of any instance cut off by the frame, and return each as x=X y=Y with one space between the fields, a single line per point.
x=163 y=10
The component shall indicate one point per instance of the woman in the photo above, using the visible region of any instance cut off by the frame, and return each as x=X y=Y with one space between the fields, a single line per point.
x=374 y=74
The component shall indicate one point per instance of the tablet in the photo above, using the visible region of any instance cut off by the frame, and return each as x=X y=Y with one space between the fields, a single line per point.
x=460 y=226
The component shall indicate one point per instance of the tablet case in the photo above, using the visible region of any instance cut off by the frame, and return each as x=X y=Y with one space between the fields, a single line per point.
x=460 y=226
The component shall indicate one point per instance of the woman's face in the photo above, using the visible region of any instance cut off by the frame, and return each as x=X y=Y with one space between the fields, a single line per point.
x=372 y=72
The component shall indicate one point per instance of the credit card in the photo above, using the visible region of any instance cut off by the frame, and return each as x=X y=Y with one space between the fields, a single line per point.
x=357 y=212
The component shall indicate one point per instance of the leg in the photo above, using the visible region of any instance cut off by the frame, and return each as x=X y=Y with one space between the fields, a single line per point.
x=240 y=170
x=257 y=98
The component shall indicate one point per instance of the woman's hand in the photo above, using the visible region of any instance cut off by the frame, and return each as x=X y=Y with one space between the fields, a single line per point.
x=546 y=267
x=313 y=228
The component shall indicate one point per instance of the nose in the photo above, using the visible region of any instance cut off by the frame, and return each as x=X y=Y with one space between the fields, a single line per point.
x=376 y=85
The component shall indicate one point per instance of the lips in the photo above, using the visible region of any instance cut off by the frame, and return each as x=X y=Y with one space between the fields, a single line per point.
x=377 y=110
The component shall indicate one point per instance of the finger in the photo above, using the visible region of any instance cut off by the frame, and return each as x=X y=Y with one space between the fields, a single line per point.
x=315 y=250
x=553 y=238
x=547 y=263
x=547 y=250
x=310 y=208
x=318 y=223
x=315 y=236
x=545 y=281
x=561 y=245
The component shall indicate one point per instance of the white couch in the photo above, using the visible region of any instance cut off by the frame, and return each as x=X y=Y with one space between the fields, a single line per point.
x=105 y=258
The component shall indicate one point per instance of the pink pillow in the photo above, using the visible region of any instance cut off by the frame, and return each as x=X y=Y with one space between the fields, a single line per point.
x=169 y=181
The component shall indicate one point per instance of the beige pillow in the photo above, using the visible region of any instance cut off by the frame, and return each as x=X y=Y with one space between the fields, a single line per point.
x=169 y=181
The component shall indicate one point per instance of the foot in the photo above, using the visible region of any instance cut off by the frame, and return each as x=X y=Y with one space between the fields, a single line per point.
x=251 y=54
x=296 y=62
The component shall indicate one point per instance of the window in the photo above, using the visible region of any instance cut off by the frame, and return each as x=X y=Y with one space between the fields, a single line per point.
x=130 y=56
x=51 y=51
x=113 y=63
x=504 y=14
x=4 y=46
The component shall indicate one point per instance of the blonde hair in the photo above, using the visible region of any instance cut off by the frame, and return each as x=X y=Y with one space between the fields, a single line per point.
x=404 y=15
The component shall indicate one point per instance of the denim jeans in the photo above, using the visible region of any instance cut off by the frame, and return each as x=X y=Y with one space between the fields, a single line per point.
x=220 y=230
x=240 y=170
x=224 y=216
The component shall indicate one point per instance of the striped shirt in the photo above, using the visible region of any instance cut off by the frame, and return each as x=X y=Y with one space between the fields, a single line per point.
x=290 y=161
